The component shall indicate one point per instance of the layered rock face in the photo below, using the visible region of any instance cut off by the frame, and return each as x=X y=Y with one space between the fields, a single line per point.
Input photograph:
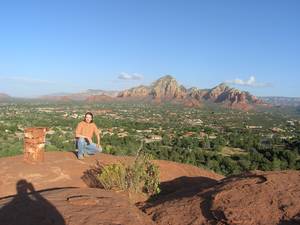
x=197 y=93
x=140 y=91
x=164 y=88
x=168 y=89
x=99 y=98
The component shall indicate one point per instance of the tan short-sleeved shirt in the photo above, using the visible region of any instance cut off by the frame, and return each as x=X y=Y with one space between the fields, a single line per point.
x=86 y=129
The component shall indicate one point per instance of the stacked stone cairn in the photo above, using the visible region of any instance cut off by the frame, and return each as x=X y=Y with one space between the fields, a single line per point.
x=34 y=144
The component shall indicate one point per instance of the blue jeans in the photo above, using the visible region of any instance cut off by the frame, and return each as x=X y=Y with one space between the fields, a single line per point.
x=84 y=148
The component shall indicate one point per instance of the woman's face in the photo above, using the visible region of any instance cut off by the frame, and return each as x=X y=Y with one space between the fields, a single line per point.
x=88 y=118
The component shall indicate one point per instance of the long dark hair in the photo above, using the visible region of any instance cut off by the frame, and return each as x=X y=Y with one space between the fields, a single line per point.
x=89 y=113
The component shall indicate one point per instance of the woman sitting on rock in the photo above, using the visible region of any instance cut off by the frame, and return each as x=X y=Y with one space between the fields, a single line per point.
x=84 y=134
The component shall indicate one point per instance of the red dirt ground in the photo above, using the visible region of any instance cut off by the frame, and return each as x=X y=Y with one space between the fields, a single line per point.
x=59 y=191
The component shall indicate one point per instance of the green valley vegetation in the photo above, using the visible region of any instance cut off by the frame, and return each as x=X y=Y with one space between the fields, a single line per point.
x=224 y=140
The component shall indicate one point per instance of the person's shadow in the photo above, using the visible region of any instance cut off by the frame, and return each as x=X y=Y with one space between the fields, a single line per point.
x=28 y=207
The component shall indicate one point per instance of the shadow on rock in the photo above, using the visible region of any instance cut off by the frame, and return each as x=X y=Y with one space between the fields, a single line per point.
x=28 y=207
x=89 y=177
x=294 y=221
x=179 y=188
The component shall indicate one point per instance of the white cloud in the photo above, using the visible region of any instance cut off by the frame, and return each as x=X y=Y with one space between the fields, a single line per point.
x=25 y=80
x=251 y=82
x=127 y=76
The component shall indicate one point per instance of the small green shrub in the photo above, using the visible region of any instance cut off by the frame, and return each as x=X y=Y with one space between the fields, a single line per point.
x=113 y=177
x=140 y=176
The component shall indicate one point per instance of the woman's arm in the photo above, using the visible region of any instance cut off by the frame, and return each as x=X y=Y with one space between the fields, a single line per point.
x=98 y=138
x=97 y=135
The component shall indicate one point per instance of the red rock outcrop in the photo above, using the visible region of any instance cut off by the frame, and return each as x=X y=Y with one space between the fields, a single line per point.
x=69 y=206
x=80 y=96
x=197 y=94
x=58 y=98
x=266 y=198
x=167 y=89
x=258 y=198
x=140 y=91
x=56 y=192
x=61 y=169
x=99 y=98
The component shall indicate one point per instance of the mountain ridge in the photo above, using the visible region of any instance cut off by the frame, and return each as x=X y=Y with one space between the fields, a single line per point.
x=4 y=96
x=167 y=88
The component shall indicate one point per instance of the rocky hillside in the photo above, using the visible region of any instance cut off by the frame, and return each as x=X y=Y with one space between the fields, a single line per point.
x=62 y=169
x=265 y=198
x=99 y=98
x=62 y=191
x=4 y=96
x=69 y=206
x=165 y=88
x=282 y=101
x=168 y=89
x=80 y=96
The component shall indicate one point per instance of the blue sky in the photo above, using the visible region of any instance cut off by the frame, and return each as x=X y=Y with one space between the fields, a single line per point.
x=68 y=46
